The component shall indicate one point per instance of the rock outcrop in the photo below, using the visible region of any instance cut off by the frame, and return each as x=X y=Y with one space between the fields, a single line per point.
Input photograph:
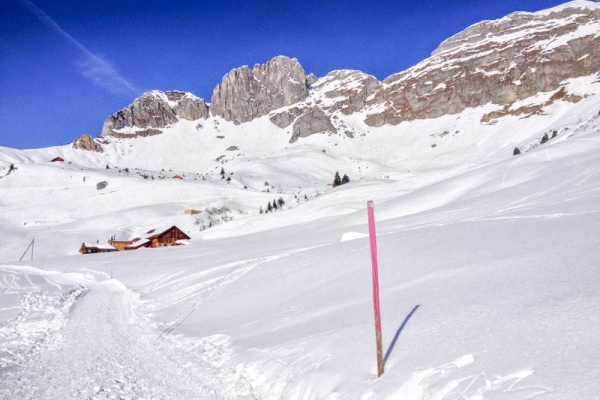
x=85 y=142
x=284 y=118
x=345 y=90
x=311 y=122
x=245 y=94
x=152 y=111
x=497 y=62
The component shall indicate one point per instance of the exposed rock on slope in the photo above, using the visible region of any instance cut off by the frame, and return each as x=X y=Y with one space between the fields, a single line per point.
x=245 y=94
x=495 y=61
x=345 y=90
x=154 y=110
x=311 y=122
x=85 y=142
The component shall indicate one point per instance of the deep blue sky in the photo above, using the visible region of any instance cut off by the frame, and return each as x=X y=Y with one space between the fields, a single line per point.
x=67 y=65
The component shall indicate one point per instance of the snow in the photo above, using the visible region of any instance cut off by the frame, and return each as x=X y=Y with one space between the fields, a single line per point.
x=488 y=263
x=591 y=29
x=488 y=267
x=570 y=4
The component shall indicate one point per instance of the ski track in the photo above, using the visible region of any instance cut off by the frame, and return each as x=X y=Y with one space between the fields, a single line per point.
x=90 y=344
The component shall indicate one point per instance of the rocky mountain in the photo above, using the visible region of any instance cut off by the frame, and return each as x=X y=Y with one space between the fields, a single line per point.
x=493 y=62
x=152 y=111
x=246 y=94
x=497 y=62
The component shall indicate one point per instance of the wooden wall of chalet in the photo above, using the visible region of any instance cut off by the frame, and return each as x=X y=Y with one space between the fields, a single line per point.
x=169 y=237
x=120 y=244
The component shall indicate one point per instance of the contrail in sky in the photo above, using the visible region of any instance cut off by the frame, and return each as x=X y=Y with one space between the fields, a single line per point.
x=100 y=72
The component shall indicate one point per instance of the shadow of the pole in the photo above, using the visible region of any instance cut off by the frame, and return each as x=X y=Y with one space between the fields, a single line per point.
x=397 y=335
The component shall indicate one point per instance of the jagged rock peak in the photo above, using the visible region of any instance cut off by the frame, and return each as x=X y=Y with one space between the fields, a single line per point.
x=245 y=94
x=152 y=111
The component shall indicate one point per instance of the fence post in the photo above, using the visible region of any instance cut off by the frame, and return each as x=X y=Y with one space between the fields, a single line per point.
x=373 y=242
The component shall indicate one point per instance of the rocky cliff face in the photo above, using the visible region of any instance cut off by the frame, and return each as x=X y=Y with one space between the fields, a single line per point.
x=245 y=94
x=152 y=111
x=496 y=62
x=345 y=91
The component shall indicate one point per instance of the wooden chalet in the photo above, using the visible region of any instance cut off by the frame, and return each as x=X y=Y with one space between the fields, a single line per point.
x=161 y=237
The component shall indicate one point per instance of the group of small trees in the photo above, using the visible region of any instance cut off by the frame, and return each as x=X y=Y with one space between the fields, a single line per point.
x=228 y=179
x=337 y=181
x=277 y=204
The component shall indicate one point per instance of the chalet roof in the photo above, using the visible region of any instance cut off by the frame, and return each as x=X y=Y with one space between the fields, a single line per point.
x=152 y=233
x=138 y=243
x=99 y=246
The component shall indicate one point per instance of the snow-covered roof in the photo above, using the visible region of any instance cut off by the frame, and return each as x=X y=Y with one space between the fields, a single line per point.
x=138 y=243
x=100 y=246
x=149 y=234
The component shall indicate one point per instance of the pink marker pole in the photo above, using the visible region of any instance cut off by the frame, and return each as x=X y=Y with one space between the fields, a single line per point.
x=373 y=241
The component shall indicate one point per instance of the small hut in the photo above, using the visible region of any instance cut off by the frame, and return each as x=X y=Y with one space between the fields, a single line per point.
x=90 y=248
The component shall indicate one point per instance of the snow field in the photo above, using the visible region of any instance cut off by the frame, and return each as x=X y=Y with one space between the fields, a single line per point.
x=488 y=265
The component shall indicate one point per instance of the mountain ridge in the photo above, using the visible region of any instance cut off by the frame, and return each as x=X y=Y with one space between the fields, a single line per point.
x=497 y=62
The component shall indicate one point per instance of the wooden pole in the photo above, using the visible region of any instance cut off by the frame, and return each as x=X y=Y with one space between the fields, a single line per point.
x=373 y=241
x=27 y=249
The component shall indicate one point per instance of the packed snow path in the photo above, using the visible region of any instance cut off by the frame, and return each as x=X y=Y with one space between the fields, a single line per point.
x=106 y=351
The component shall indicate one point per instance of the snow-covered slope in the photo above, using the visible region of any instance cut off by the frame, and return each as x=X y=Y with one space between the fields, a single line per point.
x=488 y=260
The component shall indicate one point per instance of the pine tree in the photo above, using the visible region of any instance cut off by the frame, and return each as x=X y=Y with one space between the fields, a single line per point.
x=269 y=207
x=222 y=171
x=261 y=210
x=336 y=180
x=274 y=204
x=345 y=179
